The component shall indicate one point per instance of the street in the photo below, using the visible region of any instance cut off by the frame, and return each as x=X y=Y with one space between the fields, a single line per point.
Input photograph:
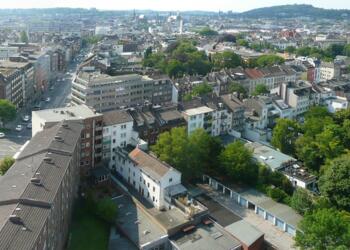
x=59 y=96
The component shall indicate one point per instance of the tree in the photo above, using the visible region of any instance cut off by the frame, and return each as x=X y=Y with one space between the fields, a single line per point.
x=334 y=182
x=226 y=59
x=284 y=135
x=5 y=164
x=106 y=209
x=260 y=89
x=269 y=60
x=237 y=87
x=242 y=42
x=346 y=51
x=175 y=68
x=302 y=201
x=324 y=229
x=277 y=194
x=206 y=31
x=290 y=49
x=202 y=89
x=24 y=37
x=148 y=52
x=226 y=37
x=238 y=162
x=7 y=111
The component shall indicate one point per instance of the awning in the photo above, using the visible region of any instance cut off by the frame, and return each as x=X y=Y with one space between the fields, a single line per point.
x=189 y=228
x=175 y=190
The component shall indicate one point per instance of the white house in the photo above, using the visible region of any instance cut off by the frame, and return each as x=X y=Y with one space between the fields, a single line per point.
x=117 y=132
x=201 y=117
x=152 y=178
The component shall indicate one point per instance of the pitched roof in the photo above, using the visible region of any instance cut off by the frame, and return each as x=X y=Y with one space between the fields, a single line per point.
x=149 y=164
x=254 y=73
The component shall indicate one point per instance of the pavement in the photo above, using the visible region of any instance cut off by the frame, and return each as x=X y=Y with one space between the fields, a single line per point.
x=277 y=238
x=59 y=97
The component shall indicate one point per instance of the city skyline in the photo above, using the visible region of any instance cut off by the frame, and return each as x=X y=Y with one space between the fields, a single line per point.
x=161 y=5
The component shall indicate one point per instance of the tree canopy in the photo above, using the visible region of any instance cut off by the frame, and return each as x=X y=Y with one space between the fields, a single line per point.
x=260 y=89
x=324 y=229
x=5 y=164
x=7 y=111
x=24 y=37
x=268 y=60
x=207 y=31
x=284 y=135
x=106 y=209
x=238 y=162
x=334 y=182
x=226 y=59
x=302 y=201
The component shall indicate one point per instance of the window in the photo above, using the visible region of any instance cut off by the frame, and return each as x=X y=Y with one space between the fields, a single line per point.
x=147 y=184
x=153 y=199
x=87 y=144
x=113 y=140
x=170 y=179
x=140 y=179
x=123 y=135
x=154 y=189
x=123 y=126
x=87 y=135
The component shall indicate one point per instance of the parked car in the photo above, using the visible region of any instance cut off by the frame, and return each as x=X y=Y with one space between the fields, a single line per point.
x=48 y=99
x=2 y=135
x=26 y=118
x=19 y=128
x=29 y=126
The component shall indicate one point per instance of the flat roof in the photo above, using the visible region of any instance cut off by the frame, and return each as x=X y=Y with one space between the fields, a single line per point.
x=281 y=211
x=116 y=117
x=67 y=113
x=135 y=223
x=197 y=111
x=268 y=156
x=205 y=237
x=245 y=232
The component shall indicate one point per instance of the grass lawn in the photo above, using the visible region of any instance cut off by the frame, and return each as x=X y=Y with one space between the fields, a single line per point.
x=87 y=232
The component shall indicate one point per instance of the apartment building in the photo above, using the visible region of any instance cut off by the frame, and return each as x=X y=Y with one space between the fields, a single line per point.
x=299 y=96
x=329 y=71
x=117 y=132
x=200 y=117
x=38 y=191
x=236 y=109
x=151 y=177
x=17 y=82
x=91 y=138
x=6 y=52
x=104 y=92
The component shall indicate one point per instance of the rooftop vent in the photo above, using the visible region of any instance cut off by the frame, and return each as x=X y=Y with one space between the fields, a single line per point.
x=146 y=232
x=15 y=219
x=36 y=181
x=65 y=125
x=48 y=160
x=58 y=138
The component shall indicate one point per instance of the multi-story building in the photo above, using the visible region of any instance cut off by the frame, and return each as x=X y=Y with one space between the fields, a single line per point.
x=6 y=52
x=117 y=132
x=200 y=117
x=17 y=82
x=91 y=138
x=236 y=108
x=105 y=92
x=38 y=191
x=151 y=177
x=329 y=71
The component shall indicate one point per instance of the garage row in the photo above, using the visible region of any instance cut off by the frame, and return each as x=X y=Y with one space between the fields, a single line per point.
x=280 y=215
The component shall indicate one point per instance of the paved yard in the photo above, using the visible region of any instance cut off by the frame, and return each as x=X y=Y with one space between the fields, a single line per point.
x=281 y=240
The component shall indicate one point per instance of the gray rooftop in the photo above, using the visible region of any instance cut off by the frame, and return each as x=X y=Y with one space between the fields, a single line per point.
x=116 y=117
x=32 y=202
x=67 y=113
x=268 y=156
x=245 y=232
x=205 y=237
x=279 y=210
x=135 y=223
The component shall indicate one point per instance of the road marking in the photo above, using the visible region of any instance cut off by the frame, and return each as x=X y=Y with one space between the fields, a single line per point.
x=12 y=148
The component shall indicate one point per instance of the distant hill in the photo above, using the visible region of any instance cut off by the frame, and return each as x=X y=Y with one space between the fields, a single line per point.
x=296 y=10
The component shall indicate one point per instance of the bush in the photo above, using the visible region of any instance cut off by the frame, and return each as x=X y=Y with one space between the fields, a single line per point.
x=106 y=209
x=277 y=194
x=5 y=164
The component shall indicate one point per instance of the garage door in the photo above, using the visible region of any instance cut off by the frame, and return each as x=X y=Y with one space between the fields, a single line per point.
x=243 y=202
x=269 y=217
x=290 y=230
x=260 y=212
x=280 y=224
x=235 y=197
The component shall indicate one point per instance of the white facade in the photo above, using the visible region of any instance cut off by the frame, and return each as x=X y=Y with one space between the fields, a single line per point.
x=337 y=103
x=222 y=121
x=102 y=30
x=117 y=135
x=144 y=178
x=200 y=117
x=7 y=52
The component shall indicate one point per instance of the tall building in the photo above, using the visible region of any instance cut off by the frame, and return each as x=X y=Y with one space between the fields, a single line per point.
x=104 y=92
x=37 y=192
x=91 y=138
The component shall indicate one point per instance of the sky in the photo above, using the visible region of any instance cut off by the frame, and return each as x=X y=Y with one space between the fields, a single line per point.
x=173 y=5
